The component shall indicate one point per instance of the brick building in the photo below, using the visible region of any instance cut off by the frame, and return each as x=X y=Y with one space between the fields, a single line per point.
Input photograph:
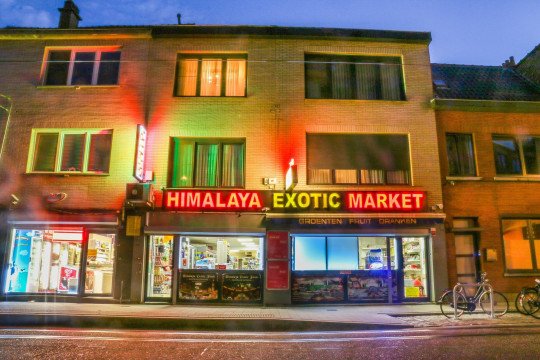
x=281 y=164
x=488 y=127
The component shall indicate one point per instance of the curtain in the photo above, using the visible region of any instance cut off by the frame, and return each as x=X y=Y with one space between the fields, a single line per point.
x=187 y=77
x=206 y=165
x=211 y=77
x=390 y=81
x=100 y=152
x=233 y=165
x=320 y=176
x=236 y=78
x=341 y=81
x=45 y=156
x=73 y=152
x=346 y=176
x=366 y=81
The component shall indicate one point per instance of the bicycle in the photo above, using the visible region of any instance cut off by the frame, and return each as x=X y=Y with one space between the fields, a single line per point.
x=528 y=300
x=469 y=303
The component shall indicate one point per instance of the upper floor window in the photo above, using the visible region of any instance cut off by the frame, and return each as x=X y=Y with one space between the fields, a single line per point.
x=358 y=159
x=353 y=77
x=82 y=67
x=70 y=150
x=516 y=155
x=210 y=75
x=460 y=152
x=207 y=162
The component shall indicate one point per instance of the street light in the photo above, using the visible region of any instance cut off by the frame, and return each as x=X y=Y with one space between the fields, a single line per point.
x=7 y=109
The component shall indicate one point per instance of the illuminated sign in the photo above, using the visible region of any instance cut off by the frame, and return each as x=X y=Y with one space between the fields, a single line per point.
x=212 y=200
x=291 y=177
x=140 y=153
x=295 y=202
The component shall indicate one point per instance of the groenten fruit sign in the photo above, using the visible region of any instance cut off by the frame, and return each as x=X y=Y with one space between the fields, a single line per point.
x=297 y=202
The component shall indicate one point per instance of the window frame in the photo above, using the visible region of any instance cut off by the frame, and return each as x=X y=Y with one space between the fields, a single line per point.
x=530 y=238
x=206 y=141
x=356 y=59
x=518 y=139
x=73 y=53
x=377 y=177
x=30 y=165
x=199 y=57
x=474 y=156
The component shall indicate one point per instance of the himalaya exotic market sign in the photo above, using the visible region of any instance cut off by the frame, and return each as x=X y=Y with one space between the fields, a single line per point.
x=301 y=201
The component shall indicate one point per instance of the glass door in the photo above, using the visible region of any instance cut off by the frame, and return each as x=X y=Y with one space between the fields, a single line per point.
x=160 y=266
x=414 y=268
x=100 y=264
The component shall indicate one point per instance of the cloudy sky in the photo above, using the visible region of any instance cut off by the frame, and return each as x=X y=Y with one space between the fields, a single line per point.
x=482 y=32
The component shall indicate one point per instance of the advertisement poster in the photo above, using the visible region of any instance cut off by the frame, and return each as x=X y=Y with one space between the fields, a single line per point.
x=20 y=261
x=198 y=286
x=318 y=289
x=241 y=287
x=277 y=245
x=367 y=288
x=68 y=280
x=277 y=275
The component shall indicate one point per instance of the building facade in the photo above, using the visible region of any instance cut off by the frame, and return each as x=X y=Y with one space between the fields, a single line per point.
x=488 y=128
x=220 y=164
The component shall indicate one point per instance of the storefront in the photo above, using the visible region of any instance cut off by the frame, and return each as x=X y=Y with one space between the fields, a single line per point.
x=300 y=248
x=67 y=258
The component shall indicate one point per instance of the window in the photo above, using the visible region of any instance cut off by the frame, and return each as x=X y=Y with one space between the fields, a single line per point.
x=207 y=162
x=354 y=77
x=82 y=67
x=521 y=239
x=73 y=151
x=358 y=159
x=517 y=155
x=460 y=152
x=211 y=75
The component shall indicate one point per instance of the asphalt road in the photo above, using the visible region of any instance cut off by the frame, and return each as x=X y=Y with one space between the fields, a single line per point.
x=456 y=343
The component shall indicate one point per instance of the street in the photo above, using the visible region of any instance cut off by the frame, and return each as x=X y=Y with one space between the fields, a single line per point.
x=442 y=343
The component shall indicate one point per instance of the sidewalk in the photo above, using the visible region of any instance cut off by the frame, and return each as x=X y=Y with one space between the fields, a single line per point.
x=231 y=318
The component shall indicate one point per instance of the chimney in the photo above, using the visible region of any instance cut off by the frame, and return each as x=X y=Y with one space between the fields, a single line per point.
x=510 y=63
x=69 y=16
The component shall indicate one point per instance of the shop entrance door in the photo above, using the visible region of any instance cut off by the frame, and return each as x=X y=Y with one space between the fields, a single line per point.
x=159 y=274
x=413 y=269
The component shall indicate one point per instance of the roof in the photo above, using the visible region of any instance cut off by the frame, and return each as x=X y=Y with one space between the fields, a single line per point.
x=473 y=82
x=246 y=30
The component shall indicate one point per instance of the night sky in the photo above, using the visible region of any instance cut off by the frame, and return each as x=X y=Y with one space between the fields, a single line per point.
x=484 y=32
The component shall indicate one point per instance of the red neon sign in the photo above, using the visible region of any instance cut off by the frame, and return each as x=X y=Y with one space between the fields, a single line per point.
x=385 y=200
x=213 y=200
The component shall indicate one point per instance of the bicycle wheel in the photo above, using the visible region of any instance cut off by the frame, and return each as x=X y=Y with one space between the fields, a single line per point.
x=529 y=301
x=500 y=303
x=447 y=304
x=519 y=300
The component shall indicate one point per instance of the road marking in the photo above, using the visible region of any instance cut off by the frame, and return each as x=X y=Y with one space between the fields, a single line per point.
x=204 y=351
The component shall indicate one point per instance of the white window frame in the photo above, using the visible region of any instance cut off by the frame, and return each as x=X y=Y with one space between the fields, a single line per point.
x=74 y=51
x=60 y=148
x=519 y=142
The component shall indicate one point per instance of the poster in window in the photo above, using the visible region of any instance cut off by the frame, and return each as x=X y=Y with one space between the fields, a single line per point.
x=367 y=288
x=198 y=286
x=241 y=287
x=318 y=289
x=68 y=280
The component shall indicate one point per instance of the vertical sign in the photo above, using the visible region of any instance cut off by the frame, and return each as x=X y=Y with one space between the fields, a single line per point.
x=277 y=264
x=140 y=153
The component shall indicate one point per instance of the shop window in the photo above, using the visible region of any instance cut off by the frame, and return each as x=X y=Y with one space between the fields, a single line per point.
x=309 y=253
x=353 y=77
x=221 y=253
x=100 y=264
x=208 y=163
x=358 y=159
x=44 y=261
x=160 y=266
x=211 y=75
x=521 y=239
x=82 y=67
x=517 y=155
x=70 y=151
x=460 y=152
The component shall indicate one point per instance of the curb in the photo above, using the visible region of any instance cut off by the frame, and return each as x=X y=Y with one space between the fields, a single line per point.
x=157 y=323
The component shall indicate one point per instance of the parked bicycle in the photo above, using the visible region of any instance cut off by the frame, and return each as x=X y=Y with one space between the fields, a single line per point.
x=528 y=300
x=470 y=303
